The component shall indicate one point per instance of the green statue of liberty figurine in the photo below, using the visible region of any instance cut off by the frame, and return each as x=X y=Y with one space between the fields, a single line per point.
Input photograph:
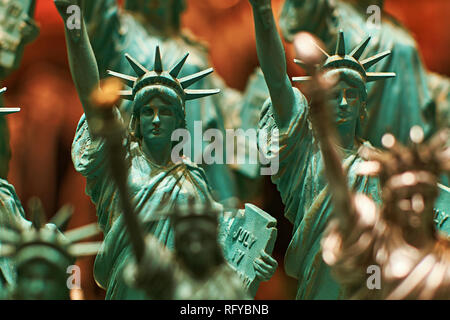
x=154 y=180
x=11 y=211
x=301 y=179
x=17 y=29
x=416 y=97
x=137 y=29
x=42 y=255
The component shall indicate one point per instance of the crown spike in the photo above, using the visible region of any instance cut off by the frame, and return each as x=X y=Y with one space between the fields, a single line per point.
x=375 y=76
x=137 y=67
x=126 y=94
x=301 y=79
x=7 y=250
x=37 y=212
x=188 y=81
x=340 y=46
x=300 y=63
x=62 y=217
x=5 y=111
x=129 y=80
x=359 y=50
x=320 y=49
x=367 y=63
x=197 y=94
x=175 y=71
x=8 y=236
x=85 y=249
x=158 y=67
x=82 y=233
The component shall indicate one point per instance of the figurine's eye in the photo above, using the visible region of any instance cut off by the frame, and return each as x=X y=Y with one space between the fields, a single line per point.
x=351 y=94
x=148 y=112
x=166 y=112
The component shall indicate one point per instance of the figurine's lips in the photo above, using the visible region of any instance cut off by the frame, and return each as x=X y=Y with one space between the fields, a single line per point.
x=343 y=116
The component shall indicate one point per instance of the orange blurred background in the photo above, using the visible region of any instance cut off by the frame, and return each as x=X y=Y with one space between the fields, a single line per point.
x=41 y=135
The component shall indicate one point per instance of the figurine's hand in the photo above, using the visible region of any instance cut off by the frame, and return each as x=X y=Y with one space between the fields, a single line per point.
x=265 y=266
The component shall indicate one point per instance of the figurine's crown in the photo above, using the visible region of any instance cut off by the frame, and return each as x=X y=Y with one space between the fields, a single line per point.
x=17 y=238
x=402 y=166
x=158 y=76
x=341 y=59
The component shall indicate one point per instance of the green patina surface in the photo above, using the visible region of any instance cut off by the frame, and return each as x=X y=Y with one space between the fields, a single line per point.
x=11 y=212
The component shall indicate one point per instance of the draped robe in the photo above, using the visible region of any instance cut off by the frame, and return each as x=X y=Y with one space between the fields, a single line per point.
x=303 y=187
x=152 y=188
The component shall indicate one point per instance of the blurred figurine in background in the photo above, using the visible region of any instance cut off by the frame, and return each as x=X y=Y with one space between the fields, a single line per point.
x=11 y=210
x=416 y=97
x=17 y=28
x=42 y=254
x=301 y=180
x=196 y=269
x=137 y=29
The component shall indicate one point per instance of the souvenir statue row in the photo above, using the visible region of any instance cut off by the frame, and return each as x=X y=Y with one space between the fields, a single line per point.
x=362 y=147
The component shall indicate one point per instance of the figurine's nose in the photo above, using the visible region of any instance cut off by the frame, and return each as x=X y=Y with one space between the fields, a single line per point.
x=156 y=119
x=343 y=103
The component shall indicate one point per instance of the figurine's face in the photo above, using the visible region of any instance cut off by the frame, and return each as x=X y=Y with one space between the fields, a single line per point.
x=346 y=101
x=157 y=122
x=196 y=245
x=413 y=201
x=40 y=281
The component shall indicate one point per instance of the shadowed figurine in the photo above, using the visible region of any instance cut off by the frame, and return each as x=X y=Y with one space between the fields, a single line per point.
x=153 y=179
x=301 y=178
x=196 y=270
x=42 y=254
